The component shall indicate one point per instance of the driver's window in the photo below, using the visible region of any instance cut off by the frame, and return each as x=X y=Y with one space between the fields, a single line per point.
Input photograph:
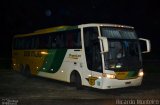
x=116 y=50
x=92 y=49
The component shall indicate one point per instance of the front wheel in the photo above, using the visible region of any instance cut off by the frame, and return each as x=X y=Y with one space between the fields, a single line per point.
x=75 y=79
x=78 y=82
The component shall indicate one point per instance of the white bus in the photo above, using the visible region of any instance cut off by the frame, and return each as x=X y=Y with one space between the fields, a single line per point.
x=103 y=56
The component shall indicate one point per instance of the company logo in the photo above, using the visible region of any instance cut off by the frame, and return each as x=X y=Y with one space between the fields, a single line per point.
x=74 y=56
x=91 y=80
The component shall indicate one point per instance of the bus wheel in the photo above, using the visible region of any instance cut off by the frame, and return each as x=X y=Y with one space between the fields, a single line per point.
x=75 y=79
x=78 y=82
x=21 y=69
x=27 y=71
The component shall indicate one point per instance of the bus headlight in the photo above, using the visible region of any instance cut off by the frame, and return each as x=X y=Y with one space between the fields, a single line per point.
x=110 y=76
x=141 y=73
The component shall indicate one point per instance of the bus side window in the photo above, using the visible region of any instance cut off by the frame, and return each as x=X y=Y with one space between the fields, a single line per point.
x=28 y=43
x=59 y=42
x=69 y=40
x=73 y=39
x=21 y=43
x=15 y=43
x=53 y=41
x=44 y=42
x=77 y=39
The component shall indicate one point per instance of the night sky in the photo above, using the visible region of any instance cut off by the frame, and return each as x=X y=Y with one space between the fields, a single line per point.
x=23 y=16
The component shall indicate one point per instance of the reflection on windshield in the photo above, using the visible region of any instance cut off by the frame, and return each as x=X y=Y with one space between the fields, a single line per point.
x=116 y=50
x=124 y=51
x=120 y=49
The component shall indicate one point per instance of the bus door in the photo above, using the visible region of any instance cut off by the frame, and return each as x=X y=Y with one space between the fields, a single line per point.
x=93 y=55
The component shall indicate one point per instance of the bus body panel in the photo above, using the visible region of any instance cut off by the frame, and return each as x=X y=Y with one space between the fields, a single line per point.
x=115 y=83
x=59 y=63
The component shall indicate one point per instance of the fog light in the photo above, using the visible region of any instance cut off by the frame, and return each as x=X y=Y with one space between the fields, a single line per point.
x=110 y=76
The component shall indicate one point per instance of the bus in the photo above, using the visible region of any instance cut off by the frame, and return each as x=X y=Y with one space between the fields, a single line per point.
x=102 y=56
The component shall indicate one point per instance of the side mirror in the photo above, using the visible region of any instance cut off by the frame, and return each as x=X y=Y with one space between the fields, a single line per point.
x=104 y=44
x=148 y=45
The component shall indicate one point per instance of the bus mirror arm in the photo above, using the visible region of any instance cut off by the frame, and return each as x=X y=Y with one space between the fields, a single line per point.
x=148 y=45
x=104 y=44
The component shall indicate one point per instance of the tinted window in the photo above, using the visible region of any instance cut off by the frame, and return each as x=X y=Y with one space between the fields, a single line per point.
x=92 y=49
x=66 y=39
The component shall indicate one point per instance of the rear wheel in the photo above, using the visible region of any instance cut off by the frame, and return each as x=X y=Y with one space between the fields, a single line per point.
x=27 y=71
x=21 y=69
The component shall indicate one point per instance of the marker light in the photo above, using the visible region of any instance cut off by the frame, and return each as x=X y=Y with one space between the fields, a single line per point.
x=89 y=75
x=118 y=66
x=99 y=77
x=44 y=53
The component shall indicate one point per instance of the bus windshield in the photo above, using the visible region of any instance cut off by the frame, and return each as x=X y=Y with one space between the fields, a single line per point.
x=124 y=51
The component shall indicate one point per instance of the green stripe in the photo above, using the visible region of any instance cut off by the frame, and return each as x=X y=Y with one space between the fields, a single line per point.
x=53 y=60
x=132 y=74
x=58 y=59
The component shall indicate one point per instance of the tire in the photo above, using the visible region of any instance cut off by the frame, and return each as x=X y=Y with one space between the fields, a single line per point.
x=21 y=69
x=75 y=80
x=27 y=71
x=78 y=82
x=72 y=79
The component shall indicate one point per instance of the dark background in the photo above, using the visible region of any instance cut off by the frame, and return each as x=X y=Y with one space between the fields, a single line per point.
x=24 y=16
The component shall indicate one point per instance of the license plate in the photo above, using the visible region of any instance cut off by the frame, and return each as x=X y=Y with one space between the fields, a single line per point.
x=127 y=83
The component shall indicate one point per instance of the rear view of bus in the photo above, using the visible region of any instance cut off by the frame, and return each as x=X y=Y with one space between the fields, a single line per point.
x=115 y=53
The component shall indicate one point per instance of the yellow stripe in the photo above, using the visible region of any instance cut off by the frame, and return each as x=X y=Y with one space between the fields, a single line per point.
x=44 y=31
x=121 y=75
